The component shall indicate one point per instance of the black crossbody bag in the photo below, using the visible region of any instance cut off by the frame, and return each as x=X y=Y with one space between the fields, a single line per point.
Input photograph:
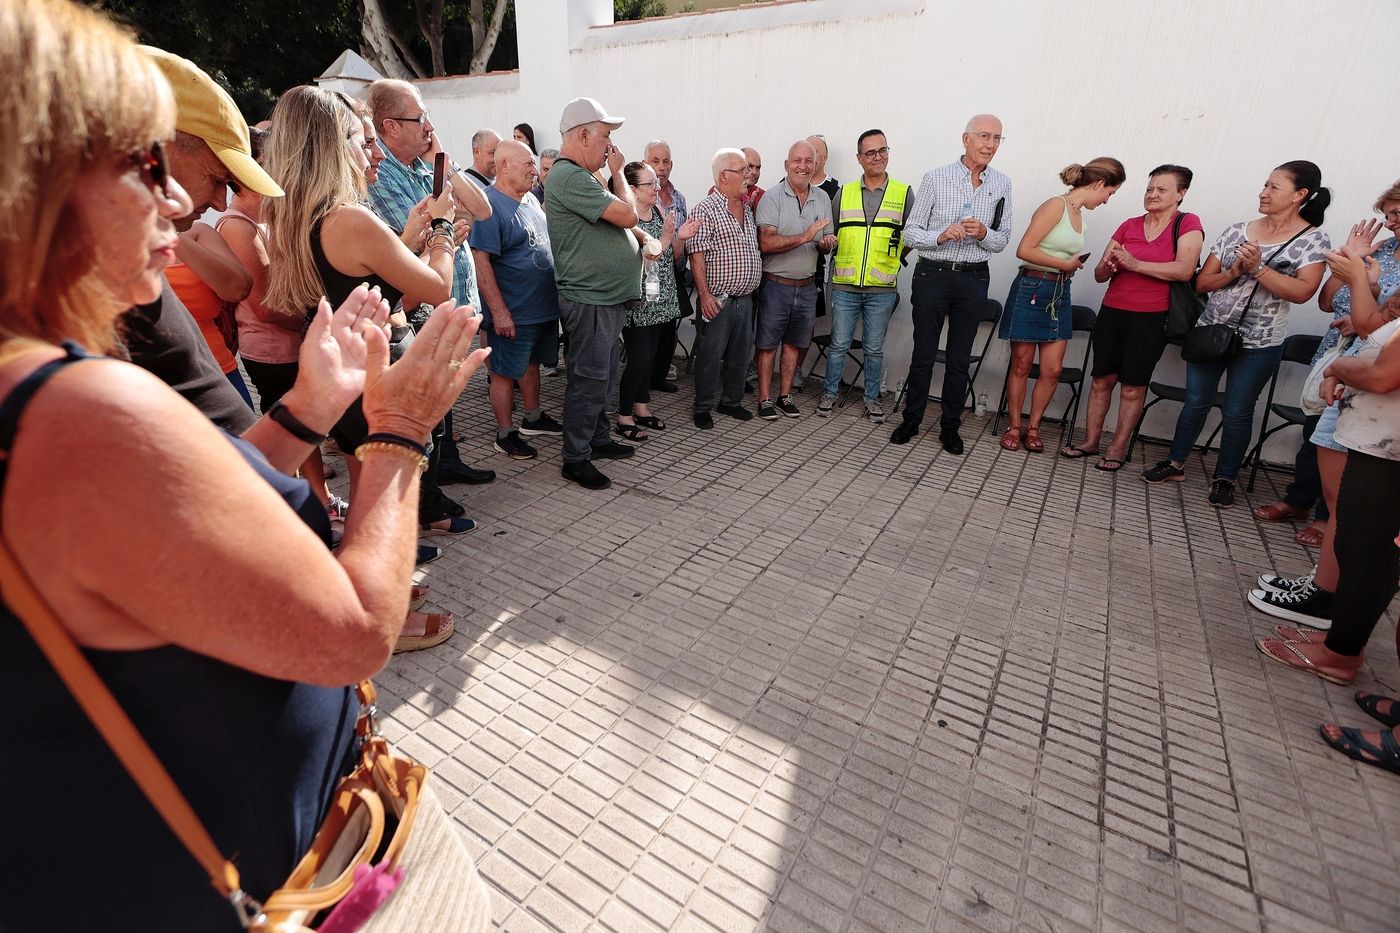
x=1184 y=305
x=1212 y=343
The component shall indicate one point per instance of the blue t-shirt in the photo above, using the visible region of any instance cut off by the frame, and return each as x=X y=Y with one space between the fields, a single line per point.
x=517 y=239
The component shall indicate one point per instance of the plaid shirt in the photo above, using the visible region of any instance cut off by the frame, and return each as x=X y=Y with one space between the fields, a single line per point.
x=395 y=193
x=733 y=265
x=946 y=196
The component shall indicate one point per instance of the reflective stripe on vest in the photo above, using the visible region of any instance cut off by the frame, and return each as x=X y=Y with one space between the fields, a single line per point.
x=868 y=253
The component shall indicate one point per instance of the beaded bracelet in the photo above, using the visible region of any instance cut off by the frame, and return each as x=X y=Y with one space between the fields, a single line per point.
x=420 y=459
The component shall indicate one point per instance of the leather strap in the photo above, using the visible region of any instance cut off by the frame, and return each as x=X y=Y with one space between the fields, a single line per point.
x=795 y=283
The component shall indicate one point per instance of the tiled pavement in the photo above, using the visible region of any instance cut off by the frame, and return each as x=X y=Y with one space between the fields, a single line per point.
x=788 y=676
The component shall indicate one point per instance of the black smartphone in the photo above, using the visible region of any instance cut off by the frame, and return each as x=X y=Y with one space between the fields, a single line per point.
x=439 y=172
x=1084 y=256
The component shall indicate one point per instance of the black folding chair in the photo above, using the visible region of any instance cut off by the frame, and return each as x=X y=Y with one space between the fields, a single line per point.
x=991 y=313
x=1082 y=320
x=1166 y=392
x=823 y=344
x=1298 y=348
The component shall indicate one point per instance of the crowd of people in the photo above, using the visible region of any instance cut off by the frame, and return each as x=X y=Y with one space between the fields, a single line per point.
x=350 y=289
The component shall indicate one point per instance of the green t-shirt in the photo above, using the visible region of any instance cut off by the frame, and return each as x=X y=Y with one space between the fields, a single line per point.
x=595 y=263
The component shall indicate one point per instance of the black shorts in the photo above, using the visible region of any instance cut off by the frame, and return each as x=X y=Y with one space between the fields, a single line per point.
x=272 y=380
x=1128 y=344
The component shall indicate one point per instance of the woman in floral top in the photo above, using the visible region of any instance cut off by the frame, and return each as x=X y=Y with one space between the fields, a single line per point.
x=1255 y=272
x=643 y=329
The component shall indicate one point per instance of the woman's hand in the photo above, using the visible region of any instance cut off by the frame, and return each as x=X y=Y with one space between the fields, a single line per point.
x=411 y=396
x=443 y=206
x=1344 y=326
x=1331 y=390
x=1359 y=239
x=415 y=226
x=668 y=226
x=1122 y=259
x=688 y=229
x=1247 y=257
x=334 y=353
x=1353 y=270
x=1071 y=265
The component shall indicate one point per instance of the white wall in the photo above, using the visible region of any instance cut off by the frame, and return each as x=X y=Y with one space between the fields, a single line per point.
x=1228 y=89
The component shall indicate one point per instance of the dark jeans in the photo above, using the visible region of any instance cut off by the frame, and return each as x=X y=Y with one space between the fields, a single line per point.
x=1368 y=561
x=940 y=295
x=591 y=368
x=666 y=341
x=723 y=343
x=1245 y=378
x=1306 y=489
x=641 y=345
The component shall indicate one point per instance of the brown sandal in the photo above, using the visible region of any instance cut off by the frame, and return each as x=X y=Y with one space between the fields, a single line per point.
x=437 y=628
x=417 y=596
x=1311 y=536
x=1280 y=512
x=1031 y=438
x=1011 y=440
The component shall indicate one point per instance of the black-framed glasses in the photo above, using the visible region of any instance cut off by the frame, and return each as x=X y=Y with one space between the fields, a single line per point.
x=881 y=153
x=421 y=119
x=154 y=165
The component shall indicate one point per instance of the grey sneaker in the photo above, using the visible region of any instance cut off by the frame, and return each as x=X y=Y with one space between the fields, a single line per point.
x=827 y=403
x=875 y=412
x=767 y=410
x=786 y=406
x=671 y=373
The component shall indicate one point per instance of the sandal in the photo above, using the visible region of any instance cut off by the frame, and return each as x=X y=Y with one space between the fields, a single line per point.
x=650 y=421
x=437 y=628
x=1349 y=742
x=1011 y=440
x=1030 y=437
x=1280 y=512
x=417 y=596
x=1103 y=465
x=1287 y=653
x=1310 y=536
x=1077 y=453
x=1370 y=704
x=1305 y=636
x=632 y=432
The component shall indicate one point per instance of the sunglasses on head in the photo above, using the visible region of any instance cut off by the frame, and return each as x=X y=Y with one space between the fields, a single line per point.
x=153 y=164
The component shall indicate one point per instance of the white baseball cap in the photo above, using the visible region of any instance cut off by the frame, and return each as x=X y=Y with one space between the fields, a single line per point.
x=582 y=110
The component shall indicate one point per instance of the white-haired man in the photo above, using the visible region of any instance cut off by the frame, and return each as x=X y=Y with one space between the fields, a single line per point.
x=598 y=272
x=727 y=268
x=482 y=171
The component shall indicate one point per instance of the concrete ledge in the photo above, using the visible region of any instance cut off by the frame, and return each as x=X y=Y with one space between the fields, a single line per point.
x=745 y=19
x=493 y=82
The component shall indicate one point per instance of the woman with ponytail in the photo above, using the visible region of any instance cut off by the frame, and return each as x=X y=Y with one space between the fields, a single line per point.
x=1038 y=307
x=1255 y=272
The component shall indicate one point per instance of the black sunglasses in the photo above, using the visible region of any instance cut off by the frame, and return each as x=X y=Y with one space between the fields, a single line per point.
x=153 y=164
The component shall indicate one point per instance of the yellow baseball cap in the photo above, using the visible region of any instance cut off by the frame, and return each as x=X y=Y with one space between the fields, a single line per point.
x=205 y=110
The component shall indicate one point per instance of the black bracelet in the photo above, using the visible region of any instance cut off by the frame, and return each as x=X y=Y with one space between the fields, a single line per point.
x=384 y=437
x=441 y=223
x=293 y=425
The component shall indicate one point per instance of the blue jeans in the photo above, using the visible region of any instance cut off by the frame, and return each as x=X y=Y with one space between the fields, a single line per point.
x=1245 y=378
x=873 y=310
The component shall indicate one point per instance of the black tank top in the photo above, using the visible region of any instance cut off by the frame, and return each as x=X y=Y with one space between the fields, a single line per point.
x=257 y=759
x=338 y=285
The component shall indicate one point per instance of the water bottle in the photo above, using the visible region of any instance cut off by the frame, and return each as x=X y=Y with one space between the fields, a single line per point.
x=651 y=281
x=980 y=406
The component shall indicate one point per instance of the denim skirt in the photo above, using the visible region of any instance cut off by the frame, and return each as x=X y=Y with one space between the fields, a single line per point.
x=1037 y=311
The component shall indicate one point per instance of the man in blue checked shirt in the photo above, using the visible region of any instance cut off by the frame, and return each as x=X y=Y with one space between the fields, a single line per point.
x=961 y=218
x=406 y=135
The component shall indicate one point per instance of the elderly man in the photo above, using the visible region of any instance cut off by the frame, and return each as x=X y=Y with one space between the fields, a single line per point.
x=515 y=274
x=599 y=275
x=961 y=218
x=547 y=157
x=820 y=179
x=657 y=154
x=794 y=230
x=870 y=218
x=727 y=267
x=406 y=134
x=482 y=171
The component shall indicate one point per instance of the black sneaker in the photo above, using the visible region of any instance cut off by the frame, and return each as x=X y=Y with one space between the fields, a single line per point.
x=1270 y=583
x=1309 y=606
x=1222 y=493
x=455 y=526
x=704 y=421
x=447 y=475
x=738 y=412
x=512 y=446
x=586 y=475
x=667 y=386
x=786 y=406
x=541 y=425
x=767 y=410
x=904 y=433
x=427 y=554
x=1163 y=472
x=612 y=450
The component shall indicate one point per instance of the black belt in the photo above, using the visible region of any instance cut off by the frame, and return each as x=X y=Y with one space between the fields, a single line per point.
x=1041 y=274
x=953 y=266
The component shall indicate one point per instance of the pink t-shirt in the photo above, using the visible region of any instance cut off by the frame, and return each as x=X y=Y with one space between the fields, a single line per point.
x=258 y=340
x=1133 y=291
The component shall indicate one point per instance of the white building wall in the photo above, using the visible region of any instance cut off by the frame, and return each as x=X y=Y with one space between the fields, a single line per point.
x=1228 y=89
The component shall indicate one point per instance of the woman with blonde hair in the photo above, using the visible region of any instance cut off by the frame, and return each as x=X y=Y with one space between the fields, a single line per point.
x=201 y=591
x=1038 y=313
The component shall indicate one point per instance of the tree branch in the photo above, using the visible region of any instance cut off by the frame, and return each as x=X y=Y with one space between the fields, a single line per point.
x=488 y=41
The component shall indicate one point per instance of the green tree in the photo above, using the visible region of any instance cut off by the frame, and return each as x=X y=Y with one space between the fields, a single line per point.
x=638 y=9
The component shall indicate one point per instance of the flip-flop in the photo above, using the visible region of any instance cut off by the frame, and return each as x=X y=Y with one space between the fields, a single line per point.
x=1292 y=657
x=436 y=630
x=1350 y=743
x=1077 y=453
x=650 y=421
x=1117 y=465
x=1306 y=636
x=1370 y=704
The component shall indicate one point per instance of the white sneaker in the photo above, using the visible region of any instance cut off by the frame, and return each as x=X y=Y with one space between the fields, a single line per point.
x=671 y=373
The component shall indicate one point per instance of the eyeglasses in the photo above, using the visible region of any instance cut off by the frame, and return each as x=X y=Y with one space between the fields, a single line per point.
x=736 y=171
x=881 y=153
x=154 y=165
x=421 y=119
x=988 y=137
x=645 y=184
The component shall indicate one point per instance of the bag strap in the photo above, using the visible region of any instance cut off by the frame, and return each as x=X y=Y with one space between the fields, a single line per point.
x=1239 y=322
x=1176 y=231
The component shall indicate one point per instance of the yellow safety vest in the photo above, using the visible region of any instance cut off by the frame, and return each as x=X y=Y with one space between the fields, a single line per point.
x=869 y=254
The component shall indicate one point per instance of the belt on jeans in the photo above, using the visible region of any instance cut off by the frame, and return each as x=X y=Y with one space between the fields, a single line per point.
x=1041 y=274
x=795 y=283
x=952 y=266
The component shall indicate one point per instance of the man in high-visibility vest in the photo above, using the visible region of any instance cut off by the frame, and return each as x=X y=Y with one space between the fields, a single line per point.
x=870 y=216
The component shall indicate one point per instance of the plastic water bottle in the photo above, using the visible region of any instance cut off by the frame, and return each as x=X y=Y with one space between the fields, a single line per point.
x=980 y=406
x=651 y=280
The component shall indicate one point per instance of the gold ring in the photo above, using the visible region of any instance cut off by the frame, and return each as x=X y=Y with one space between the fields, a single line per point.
x=455 y=365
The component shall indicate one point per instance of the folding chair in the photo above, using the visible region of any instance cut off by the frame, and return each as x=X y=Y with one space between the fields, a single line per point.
x=823 y=344
x=1298 y=348
x=1082 y=321
x=991 y=313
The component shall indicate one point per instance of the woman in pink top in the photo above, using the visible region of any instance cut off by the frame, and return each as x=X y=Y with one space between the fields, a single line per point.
x=1146 y=254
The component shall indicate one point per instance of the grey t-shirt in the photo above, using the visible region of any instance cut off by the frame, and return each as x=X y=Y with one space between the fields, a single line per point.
x=1265 y=323
x=781 y=211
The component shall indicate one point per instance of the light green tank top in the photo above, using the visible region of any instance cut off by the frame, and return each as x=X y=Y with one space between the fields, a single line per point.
x=1062 y=242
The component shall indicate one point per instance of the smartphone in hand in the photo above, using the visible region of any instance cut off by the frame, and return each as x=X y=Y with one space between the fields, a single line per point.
x=1084 y=256
x=439 y=172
